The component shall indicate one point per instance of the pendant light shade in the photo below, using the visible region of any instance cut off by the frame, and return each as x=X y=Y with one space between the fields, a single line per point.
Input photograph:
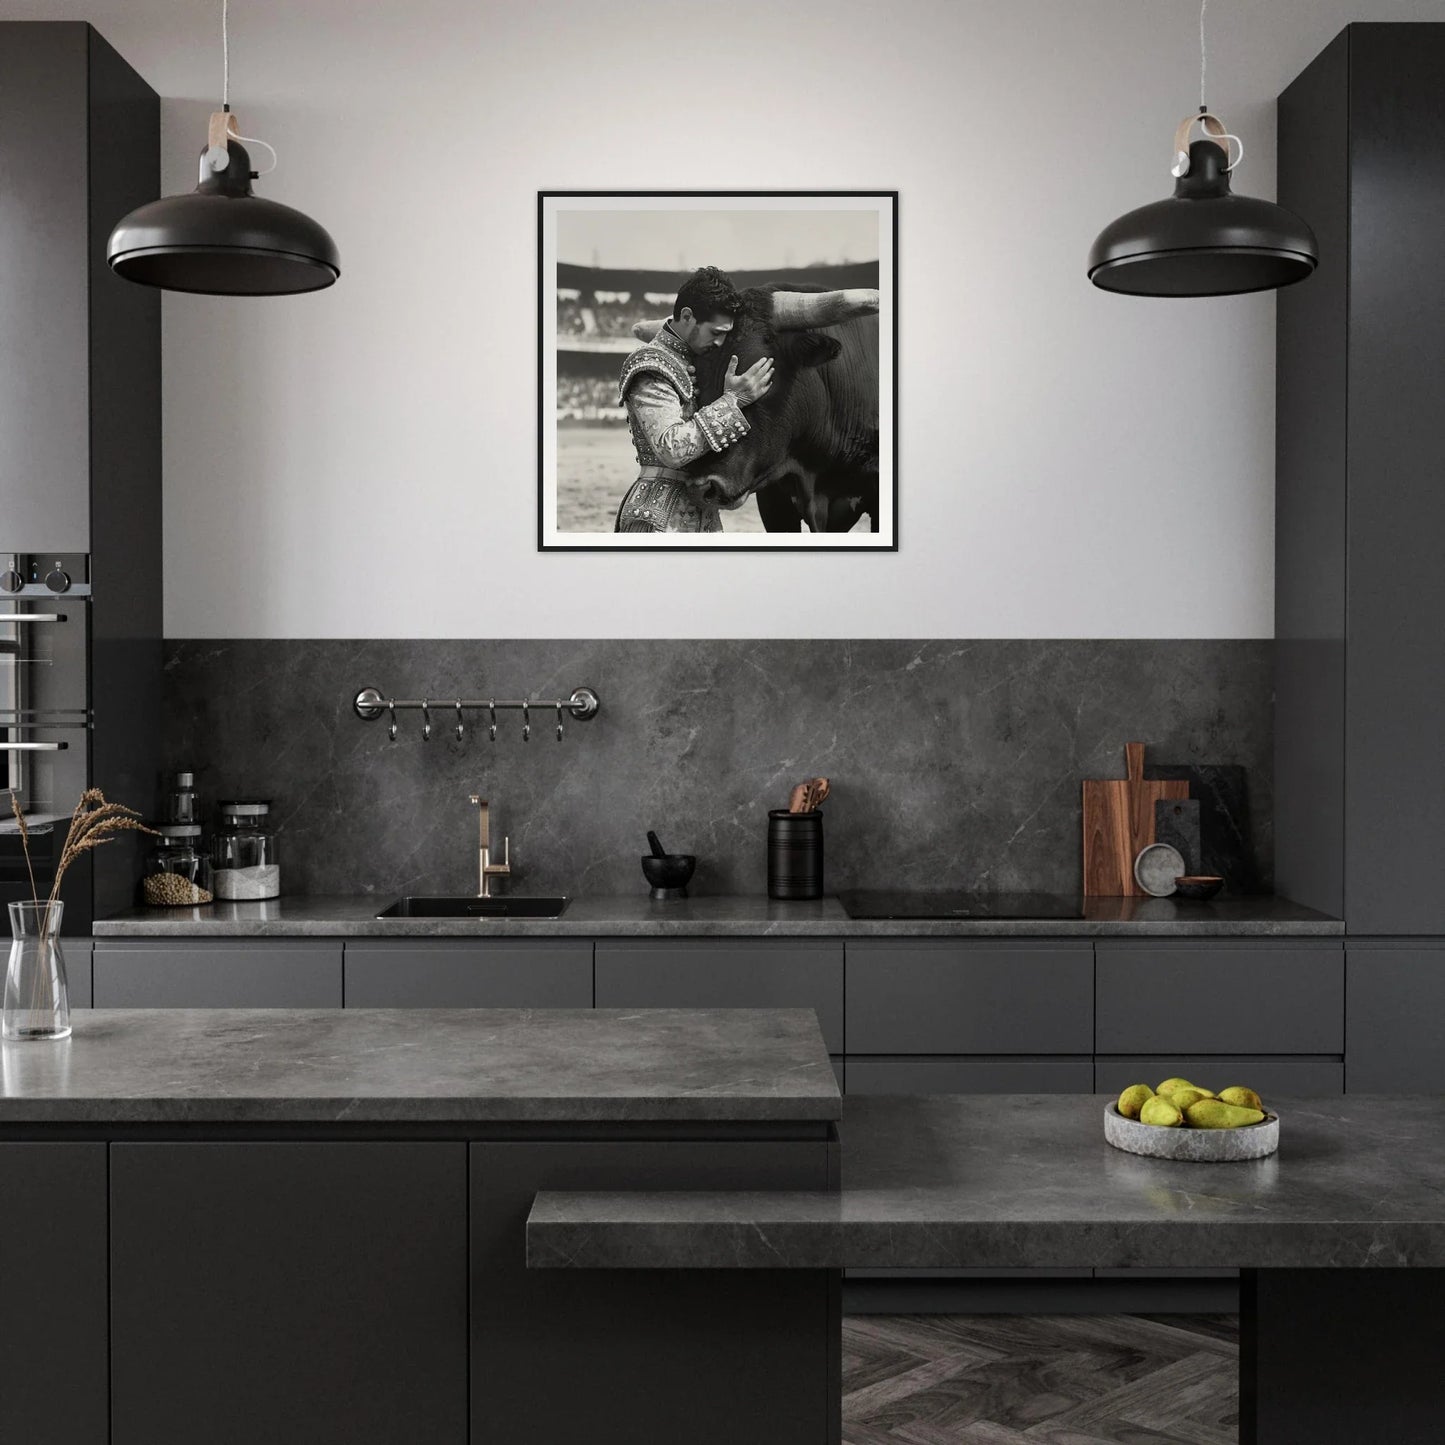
x=1203 y=240
x=224 y=240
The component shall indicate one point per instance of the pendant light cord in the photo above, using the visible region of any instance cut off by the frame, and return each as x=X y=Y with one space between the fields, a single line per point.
x=1203 y=55
x=216 y=158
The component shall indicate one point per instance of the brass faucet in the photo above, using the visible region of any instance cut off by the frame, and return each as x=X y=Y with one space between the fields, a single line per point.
x=486 y=869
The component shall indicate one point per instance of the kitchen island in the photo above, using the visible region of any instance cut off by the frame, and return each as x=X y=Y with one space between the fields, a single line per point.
x=1341 y=1235
x=309 y=1226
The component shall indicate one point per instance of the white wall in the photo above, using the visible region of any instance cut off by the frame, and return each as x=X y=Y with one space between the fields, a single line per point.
x=1073 y=464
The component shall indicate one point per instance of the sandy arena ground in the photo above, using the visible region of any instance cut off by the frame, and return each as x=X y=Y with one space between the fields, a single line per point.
x=595 y=466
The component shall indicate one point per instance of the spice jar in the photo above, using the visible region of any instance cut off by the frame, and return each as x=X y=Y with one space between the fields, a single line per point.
x=243 y=852
x=178 y=870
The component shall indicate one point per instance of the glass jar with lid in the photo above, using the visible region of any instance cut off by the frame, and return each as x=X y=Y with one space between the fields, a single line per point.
x=178 y=868
x=243 y=852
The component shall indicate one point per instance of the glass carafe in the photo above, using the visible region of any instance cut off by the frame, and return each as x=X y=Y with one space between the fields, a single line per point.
x=37 y=1001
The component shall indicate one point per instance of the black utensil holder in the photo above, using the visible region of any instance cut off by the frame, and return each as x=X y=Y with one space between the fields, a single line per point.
x=795 y=854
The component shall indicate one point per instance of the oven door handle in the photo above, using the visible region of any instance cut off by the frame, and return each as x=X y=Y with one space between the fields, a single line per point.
x=33 y=747
x=32 y=617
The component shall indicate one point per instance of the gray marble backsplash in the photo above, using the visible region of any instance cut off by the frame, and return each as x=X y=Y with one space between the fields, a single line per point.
x=953 y=764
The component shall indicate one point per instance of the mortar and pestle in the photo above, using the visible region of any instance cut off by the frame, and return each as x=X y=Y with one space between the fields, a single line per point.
x=667 y=872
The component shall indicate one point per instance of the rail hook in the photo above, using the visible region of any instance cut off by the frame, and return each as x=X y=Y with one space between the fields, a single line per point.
x=426 y=720
x=461 y=726
x=559 y=722
x=526 y=722
x=492 y=730
x=391 y=708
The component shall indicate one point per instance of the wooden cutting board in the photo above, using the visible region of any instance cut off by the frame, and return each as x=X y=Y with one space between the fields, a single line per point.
x=1118 y=822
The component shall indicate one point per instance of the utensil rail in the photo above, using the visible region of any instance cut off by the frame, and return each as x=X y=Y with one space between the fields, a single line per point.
x=370 y=703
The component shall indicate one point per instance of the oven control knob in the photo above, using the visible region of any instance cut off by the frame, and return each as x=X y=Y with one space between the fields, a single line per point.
x=57 y=580
x=11 y=580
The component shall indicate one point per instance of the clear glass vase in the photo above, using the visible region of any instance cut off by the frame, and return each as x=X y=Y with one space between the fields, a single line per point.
x=37 y=1001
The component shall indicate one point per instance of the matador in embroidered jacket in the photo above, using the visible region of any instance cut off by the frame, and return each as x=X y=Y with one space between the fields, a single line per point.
x=669 y=430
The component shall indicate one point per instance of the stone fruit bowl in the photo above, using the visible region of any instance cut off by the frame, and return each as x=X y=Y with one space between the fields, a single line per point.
x=1199 y=1146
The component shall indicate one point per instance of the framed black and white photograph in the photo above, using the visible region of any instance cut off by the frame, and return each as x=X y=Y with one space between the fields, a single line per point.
x=717 y=370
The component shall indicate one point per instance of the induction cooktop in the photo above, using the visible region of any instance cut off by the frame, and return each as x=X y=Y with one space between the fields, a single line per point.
x=892 y=903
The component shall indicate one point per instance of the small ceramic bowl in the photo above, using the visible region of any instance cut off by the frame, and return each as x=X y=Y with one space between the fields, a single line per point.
x=1156 y=869
x=669 y=874
x=1200 y=886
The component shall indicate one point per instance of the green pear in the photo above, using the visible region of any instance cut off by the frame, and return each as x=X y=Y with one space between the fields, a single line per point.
x=1161 y=1112
x=1133 y=1099
x=1245 y=1098
x=1169 y=1086
x=1215 y=1114
x=1183 y=1098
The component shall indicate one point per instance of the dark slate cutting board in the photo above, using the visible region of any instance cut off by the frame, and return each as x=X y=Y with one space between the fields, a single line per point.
x=1176 y=822
x=1224 y=832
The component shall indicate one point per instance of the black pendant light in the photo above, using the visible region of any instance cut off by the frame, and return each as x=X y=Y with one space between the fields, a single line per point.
x=222 y=239
x=1203 y=240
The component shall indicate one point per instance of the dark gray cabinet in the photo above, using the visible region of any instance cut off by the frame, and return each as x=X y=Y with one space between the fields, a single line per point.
x=294 y=1293
x=1360 y=705
x=1272 y=1076
x=1396 y=1018
x=80 y=409
x=1158 y=996
x=951 y=996
x=458 y=973
x=54 y=1329
x=717 y=1354
x=205 y=973
x=748 y=974
x=44 y=296
x=970 y=1076
x=77 y=953
x=83 y=148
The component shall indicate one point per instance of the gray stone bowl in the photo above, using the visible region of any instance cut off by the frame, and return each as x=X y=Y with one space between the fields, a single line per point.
x=1197 y=1146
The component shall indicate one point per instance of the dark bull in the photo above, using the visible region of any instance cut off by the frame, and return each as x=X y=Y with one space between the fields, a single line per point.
x=811 y=455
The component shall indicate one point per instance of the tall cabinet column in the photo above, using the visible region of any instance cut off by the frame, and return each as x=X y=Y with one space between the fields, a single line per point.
x=1360 y=535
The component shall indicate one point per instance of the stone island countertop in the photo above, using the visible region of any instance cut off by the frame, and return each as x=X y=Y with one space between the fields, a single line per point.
x=1028 y=1181
x=422 y=1066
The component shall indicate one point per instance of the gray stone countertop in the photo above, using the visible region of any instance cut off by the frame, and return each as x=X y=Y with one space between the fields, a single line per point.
x=743 y=917
x=422 y=1066
x=1027 y=1181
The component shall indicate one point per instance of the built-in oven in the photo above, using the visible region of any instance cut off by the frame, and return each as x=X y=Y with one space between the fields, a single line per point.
x=45 y=713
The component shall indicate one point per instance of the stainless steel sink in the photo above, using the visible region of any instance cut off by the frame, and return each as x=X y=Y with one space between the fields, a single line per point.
x=463 y=907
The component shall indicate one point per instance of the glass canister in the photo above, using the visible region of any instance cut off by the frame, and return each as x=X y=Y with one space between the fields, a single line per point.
x=178 y=869
x=243 y=853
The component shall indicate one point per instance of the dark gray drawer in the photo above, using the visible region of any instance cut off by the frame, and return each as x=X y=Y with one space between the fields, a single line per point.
x=702 y=974
x=458 y=973
x=1285 y=1077
x=970 y=1076
x=1396 y=1037
x=201 y=973
x=1220 y=998
x=951 y=997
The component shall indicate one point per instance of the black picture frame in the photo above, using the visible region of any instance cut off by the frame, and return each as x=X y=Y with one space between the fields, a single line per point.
x=546 y=404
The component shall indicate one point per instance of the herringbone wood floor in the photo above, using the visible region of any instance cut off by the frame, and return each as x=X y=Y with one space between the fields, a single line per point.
x=1040 y=1380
